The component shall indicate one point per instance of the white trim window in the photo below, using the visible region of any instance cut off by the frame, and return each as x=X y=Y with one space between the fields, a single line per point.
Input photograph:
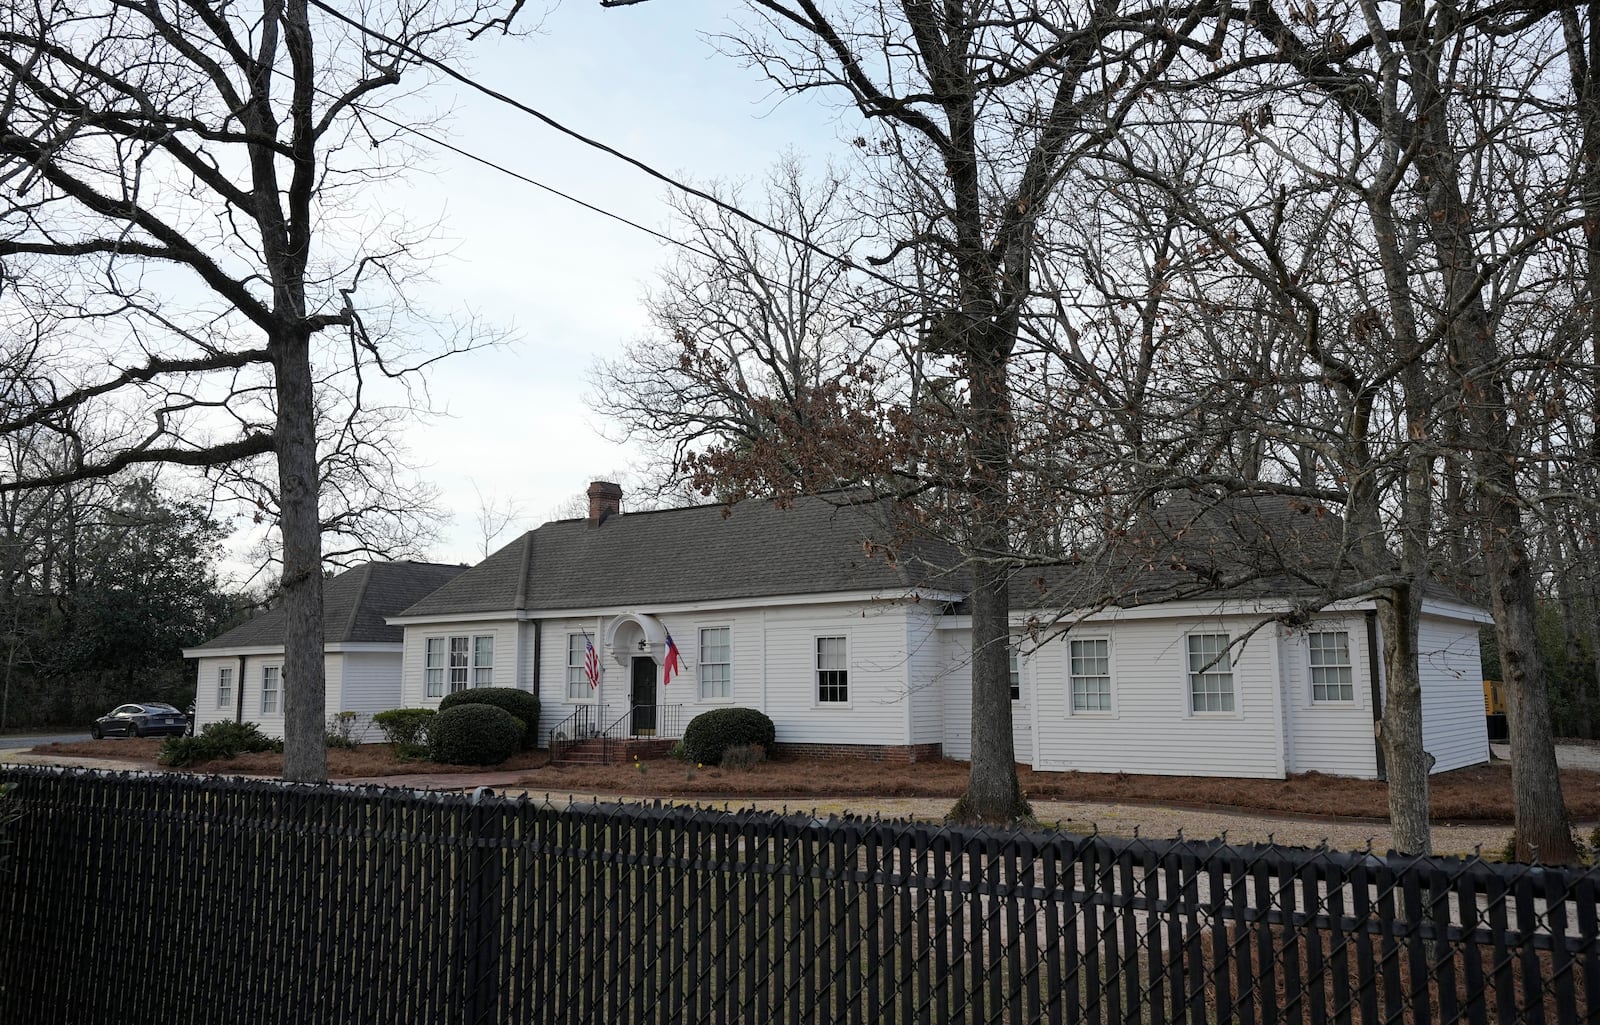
x=1332 y=675
x=225 y=686
x=1210 y=674
x=578 y=688
x=1090 y=674
x=833 y=670
x=461 y=662
x=1014 y=668
x=271 y=684
x=716 y=663
x=433 y=667
x=483 y=661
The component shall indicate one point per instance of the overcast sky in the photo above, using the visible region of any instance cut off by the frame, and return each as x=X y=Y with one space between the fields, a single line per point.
x=566 y=282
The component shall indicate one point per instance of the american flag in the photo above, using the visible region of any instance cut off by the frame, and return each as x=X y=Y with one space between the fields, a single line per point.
x=591 y=662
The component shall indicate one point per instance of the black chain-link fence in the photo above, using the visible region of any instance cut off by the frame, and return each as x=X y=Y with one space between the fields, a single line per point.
x=187 y=899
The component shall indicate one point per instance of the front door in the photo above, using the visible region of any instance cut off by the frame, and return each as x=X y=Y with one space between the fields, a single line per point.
x=644 y=697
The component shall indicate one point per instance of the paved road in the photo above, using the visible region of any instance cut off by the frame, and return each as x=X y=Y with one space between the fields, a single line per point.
x=9 y=742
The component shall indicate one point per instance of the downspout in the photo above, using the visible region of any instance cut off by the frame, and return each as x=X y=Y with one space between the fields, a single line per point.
x=538 y=643
x=1377 y=690
x=238 y=711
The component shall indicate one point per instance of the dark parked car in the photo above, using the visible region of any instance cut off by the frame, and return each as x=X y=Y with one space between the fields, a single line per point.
x=151 y=719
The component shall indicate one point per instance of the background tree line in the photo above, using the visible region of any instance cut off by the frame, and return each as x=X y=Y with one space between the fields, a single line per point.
x=102 y=586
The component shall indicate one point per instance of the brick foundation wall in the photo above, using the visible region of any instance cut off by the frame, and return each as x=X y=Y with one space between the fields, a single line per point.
x=871 y=752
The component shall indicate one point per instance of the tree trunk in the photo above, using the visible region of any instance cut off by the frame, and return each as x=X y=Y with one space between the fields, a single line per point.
x=1406 y=762
x=305 y=754
x=1541 y=815
x=993 y=793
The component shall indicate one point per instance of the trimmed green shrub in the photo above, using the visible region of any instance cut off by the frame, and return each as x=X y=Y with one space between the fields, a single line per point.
x=216 y=741
x=407 y=730
x=521 y=704
x=475 y=735
x=711 y=733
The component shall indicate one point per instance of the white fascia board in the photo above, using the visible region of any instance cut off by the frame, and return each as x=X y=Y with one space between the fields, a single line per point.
x=257 y=649
x=458 y=617
x=354 y=647
x=1446 y=609
x=1166 y=610
x=718 y=605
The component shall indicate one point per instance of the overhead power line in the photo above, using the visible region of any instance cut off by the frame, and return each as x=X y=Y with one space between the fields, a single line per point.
x=609 y=150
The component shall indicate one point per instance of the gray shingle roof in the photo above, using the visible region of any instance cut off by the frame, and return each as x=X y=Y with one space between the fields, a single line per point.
x=354 y=605
x=753 y=549
x=1239 y=547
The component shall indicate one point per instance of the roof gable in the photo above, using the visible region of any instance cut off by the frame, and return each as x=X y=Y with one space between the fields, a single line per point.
x=355 y=606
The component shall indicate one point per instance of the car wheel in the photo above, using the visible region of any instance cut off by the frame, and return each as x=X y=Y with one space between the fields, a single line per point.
x=94 y=732
x=134 y=731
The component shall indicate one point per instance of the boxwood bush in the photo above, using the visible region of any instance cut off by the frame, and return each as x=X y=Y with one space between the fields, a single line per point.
x=407 y=730
x=216 y=741
x=712 y=733
x=521 y=704
x=466 y=734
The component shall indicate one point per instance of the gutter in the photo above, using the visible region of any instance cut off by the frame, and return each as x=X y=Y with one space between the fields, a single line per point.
x=1377 y=691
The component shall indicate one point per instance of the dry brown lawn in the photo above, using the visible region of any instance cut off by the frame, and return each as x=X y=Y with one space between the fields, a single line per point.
x=1480 y=794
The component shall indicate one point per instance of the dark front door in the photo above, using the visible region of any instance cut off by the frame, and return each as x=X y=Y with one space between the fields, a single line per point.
x=644 y=697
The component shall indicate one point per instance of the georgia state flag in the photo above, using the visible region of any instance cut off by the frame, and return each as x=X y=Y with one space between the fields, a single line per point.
x=673 y=664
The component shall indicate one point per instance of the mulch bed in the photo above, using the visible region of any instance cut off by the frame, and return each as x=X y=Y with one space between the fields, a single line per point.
x=1478 y=794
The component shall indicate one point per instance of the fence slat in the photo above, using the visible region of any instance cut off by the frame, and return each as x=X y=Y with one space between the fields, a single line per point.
x=325 y=905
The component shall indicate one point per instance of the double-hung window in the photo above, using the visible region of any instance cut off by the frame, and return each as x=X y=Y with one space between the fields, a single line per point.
x=483 y=661
x=225 y=687
x=578 y=688
x=1331 y=675
x=1210 y=673
x=271 y=684
x=1014 y=669
x=1091 y=674
x=833 y=670
x=716 y=664
x=459 y=662
x=433 y=667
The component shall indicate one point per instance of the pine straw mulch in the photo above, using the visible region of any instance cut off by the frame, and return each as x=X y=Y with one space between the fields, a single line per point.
x=1478 y=794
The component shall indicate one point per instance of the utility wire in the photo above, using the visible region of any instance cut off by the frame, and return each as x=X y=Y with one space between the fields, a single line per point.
x=551 y=122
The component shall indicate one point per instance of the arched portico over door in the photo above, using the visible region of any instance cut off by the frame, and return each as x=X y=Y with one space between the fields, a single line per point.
x=638 y=643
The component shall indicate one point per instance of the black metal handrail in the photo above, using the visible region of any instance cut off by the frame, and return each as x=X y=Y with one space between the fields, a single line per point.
x=668 y=724
x=583 y=724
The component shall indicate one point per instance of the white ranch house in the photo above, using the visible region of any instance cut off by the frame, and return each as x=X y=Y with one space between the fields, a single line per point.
x=788 y=610
x=240 y=673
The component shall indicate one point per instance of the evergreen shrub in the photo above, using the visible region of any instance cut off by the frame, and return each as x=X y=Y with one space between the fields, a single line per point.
x=467 y=734
x=521 y=704
x=712 y=733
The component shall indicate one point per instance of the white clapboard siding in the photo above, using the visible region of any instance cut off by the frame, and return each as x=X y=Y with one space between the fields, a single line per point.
x=414 y=684
x=1331 y=737
x=1151 y=729
x=1451 y=670
x=877 y=712
x=206 y=708
x=371 y=683
x=925 y=675
x=956 y=680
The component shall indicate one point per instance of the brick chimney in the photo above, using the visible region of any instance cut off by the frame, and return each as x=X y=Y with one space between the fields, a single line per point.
x=605 y=499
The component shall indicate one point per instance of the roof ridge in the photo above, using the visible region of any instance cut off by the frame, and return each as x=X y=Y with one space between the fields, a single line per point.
x=355 y=604
x=527 y=567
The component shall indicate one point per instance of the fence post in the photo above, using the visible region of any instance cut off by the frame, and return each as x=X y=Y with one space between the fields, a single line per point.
x=485 y=830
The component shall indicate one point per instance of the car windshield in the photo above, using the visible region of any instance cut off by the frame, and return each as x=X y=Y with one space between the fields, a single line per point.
x=157 y=706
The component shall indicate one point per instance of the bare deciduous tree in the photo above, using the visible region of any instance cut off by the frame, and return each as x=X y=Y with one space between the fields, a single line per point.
x=172 y=170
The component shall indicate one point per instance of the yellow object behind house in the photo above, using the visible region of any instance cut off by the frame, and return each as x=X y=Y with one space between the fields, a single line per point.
x=1494 y=702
